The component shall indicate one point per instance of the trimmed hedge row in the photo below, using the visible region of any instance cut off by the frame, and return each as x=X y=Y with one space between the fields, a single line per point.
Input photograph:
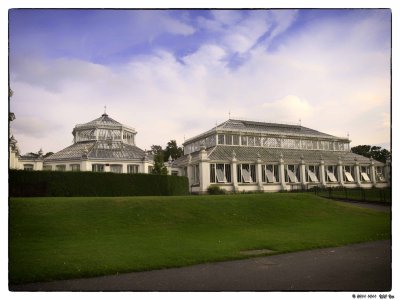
x=68 y=184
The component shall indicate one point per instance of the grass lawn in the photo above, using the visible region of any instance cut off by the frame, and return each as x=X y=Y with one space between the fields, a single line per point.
x=59 y=238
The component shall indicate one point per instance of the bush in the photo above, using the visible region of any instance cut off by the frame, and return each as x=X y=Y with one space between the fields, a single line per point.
x=77 y=184
x=215 y=190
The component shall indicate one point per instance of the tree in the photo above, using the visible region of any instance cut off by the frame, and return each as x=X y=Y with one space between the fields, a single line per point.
x=159 y=167
x=172 y=150
x=375 y=152
x=156 y=149
x=48 y=154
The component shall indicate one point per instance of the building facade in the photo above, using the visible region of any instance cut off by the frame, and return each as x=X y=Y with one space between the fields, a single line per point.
x=240 y=155
x=237 y=155
x=101 y=145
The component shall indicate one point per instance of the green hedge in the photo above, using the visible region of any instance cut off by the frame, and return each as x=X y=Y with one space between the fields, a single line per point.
x=61 y=184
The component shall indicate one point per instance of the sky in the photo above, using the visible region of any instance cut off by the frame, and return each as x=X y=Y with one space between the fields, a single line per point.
x=173 y=74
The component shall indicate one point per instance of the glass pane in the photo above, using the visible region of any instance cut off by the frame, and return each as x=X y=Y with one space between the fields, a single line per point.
x=220 y=173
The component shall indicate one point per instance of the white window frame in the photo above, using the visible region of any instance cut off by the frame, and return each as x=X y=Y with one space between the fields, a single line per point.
x=221 y=139
x=270 y=173
x=247 y=173
x=116 y=168
x=291 y=175
x=48 y=168
x=133 y=168
x=97 y=167
x=61 y=168
x=28 y=167
x=196 y=174
x=73 y=167
x=347 y=173
x=379 y=174
x=313 y=173
x=364 y=173
x=220 y=173
x=331 y=175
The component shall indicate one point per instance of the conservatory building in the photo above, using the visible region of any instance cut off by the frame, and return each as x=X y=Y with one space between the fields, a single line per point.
x=240 y=155
x=102 y=145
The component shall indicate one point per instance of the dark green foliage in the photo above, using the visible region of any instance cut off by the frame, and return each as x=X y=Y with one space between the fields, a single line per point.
x=171 y=150
x=375 y=152
x=159 y=167
x=58 y=184
x=215 y=190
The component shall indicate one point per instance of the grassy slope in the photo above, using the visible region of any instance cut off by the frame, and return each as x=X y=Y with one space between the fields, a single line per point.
x=57 y=238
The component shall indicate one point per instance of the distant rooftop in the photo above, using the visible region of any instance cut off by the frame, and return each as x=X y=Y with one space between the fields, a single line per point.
x=104 y=120
x=246 y=126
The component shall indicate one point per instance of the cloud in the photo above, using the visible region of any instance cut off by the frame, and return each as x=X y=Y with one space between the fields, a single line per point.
x=335 y=85
x=289 y=108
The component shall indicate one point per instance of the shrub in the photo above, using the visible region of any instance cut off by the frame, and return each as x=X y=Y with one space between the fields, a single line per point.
x=60 y=184
x=215 y=190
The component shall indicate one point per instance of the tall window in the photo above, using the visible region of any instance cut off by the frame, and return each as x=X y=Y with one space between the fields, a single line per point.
x=331 y=172
x=75 y=167
x=28 y=167
x=228 y=139
x=364 y=173
x=244 y=140
x=150 y=169
x=220 y=173
x=251 y=140
x=270 y=173
x=379 y=174
x=246 y=173
x=47 y=168
x=116 y=168
x=312 y=173
x=221 y=139
x=196 y=175
x=235 y=140
x=133 y=169
x=348 y=173
x=292 y=173
x=97 y=168
x=60 y=167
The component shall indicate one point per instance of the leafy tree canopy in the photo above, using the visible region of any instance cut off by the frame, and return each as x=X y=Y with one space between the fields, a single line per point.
x=171 y=149
x=375 y=152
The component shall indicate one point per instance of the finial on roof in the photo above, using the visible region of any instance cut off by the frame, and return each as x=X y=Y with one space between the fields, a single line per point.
x=170 y=159
x=233 y=154
x=105 y=111
x=40 y=152
x=229 y=114
x=300 y=122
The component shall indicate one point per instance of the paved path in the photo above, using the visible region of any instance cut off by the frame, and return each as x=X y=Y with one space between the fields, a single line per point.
x=358 y=267
x=379 y=207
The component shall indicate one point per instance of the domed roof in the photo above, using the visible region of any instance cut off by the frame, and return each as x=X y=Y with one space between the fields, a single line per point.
x=103 y=120
x=103 y=128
